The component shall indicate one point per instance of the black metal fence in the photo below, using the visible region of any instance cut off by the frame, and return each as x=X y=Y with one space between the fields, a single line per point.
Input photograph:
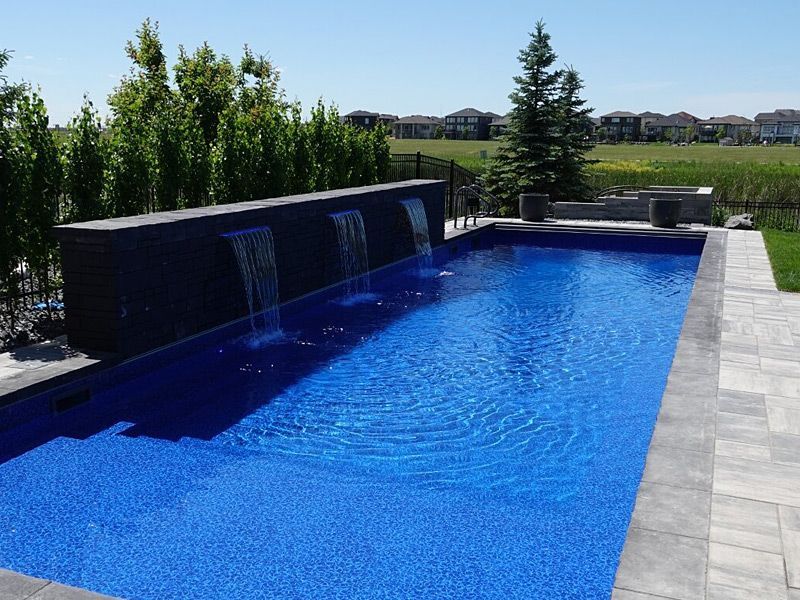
x=766 y=215
x=420 y=166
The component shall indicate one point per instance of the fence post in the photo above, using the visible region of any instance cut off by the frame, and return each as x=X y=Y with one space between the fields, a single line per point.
x=450 y=185
x=419 y=165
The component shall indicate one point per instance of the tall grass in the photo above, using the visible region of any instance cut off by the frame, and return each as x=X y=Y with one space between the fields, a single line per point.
x=776 y=182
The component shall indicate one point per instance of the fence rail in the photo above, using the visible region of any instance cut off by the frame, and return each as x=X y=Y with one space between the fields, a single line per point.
x=421 y=166
x=766 y=215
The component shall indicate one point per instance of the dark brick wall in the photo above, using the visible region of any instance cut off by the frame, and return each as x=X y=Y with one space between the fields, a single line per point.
x=136 y=283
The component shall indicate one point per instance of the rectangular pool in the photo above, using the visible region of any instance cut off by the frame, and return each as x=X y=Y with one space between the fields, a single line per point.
x=477 y=430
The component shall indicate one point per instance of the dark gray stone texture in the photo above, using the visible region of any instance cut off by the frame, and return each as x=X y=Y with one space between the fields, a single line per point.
x=133 y=284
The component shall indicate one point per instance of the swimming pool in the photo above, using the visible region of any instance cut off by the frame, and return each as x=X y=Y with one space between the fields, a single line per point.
x=476 y=431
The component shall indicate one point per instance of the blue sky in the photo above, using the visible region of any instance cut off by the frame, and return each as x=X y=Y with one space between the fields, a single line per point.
x=708 y=57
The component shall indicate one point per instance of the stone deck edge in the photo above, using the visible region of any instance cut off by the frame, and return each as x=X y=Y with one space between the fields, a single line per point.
x=666 y=549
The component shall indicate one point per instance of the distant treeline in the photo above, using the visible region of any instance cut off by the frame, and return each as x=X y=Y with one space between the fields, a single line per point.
x=214 y=132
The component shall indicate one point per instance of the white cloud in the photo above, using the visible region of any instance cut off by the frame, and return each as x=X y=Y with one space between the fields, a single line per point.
x=28 y=57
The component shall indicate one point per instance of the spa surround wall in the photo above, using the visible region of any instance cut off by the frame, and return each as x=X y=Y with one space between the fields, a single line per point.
x=137 y=283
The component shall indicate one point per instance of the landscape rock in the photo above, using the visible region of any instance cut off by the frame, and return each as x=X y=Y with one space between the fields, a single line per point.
x=744 y=221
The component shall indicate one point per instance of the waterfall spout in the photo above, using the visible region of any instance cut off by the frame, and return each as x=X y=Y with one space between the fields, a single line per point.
x=418 y=222
x=352 y=251
x=255 y=255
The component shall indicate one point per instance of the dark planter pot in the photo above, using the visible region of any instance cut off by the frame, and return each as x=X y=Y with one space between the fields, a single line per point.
x=664 y=213
x=533 y=207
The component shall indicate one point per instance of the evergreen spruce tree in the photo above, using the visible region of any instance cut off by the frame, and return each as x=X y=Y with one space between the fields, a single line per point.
x=545 y=144
x=527 y=156
x=571 y=182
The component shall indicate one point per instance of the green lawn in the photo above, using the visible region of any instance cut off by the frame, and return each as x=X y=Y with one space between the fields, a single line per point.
x=468 y=152
x=784 y=254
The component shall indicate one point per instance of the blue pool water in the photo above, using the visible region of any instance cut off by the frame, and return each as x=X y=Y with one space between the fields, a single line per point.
x=480 y=433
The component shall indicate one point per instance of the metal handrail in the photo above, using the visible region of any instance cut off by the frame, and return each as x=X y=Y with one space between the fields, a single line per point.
x=617 y=188
x=484 y=199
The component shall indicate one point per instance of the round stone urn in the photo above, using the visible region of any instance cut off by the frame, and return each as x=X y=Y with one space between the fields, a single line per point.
x=533 y=207
x=664 y=213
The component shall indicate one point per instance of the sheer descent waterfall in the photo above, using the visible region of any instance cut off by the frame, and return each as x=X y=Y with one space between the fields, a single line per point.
x=255 y=255
x=352 y=250
x=418 y=220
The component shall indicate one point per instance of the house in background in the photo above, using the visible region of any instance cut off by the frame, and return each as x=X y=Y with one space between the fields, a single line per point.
x=735 y=127
x=780 y=126
x=362 y=118
x=649 y=117
x=498 y=127
x=387 y=120
x=417 y=127
x=468 y=124
x=621 y=125
x=672 y=127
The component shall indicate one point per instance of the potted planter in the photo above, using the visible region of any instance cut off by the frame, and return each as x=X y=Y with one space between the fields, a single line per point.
x=533 y=207
x=664 y=212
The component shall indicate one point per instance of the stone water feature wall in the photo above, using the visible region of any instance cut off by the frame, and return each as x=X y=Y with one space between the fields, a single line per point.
x=133 y=284
x=635 y=206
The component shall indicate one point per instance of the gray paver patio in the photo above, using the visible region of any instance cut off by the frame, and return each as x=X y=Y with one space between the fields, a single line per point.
x=753 y=548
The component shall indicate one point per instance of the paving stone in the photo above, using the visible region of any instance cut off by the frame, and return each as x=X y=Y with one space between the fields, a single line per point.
x=740 y=354
x=785 y=447
x=768 y=482
x=15 y=586
x=669 y=509
x=783 y=414
x=740 y=573
x=742 y=428
x=739 y=450
x=779 y=352
x=744 y=403
x=686 y=422
x=745 y=523
x=663 y=564
x=679 y=467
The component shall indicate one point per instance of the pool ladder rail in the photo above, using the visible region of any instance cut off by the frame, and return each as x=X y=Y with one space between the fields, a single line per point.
x=474 y=202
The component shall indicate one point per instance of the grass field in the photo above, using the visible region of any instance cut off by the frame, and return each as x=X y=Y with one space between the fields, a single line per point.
x=784 y=255
x=755 y=173
x=468 y=152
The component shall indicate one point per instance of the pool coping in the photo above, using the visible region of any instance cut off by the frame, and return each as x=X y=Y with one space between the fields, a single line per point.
x=679 y=465
x=666 y=548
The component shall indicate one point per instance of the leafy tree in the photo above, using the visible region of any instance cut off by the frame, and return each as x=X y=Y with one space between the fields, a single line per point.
x=85 y=156
x=688 y=134
x=525 y=160
x=719 y=133
x=12 y=176
x=438 y=133
x=207 y=86
x=40 y=195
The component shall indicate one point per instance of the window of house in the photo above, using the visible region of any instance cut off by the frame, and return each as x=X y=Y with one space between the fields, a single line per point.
x=366 y=120
x=615 y=119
